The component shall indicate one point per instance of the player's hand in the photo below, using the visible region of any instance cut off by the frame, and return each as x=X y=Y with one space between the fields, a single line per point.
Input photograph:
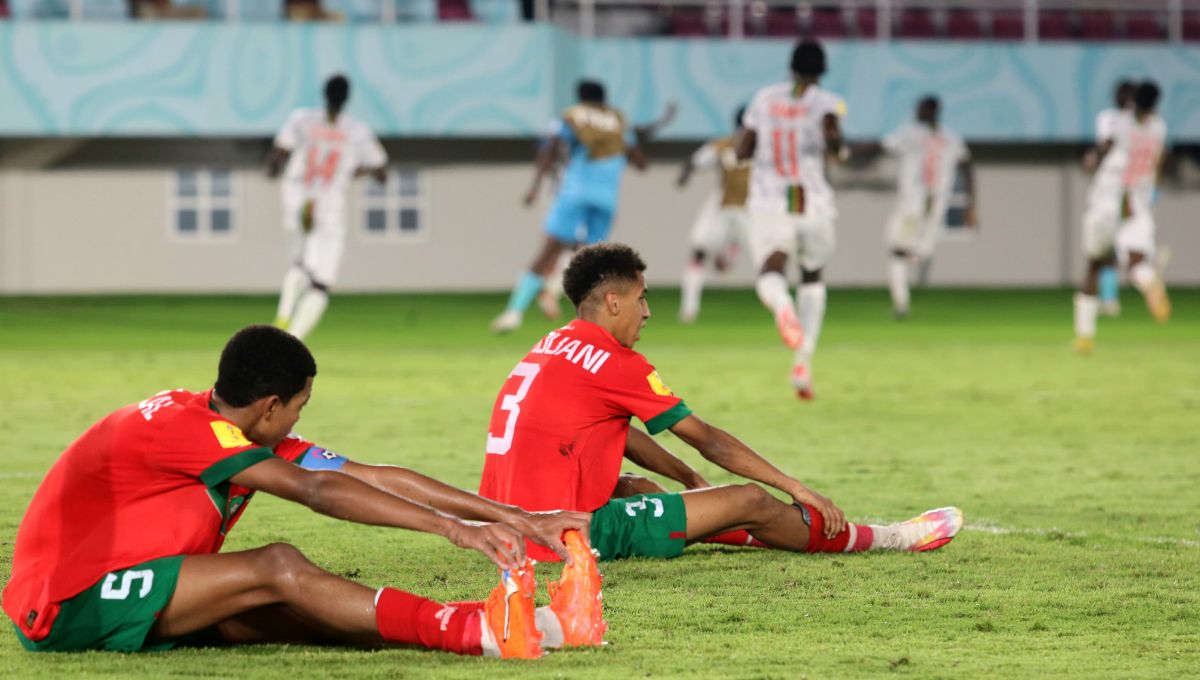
x=306 y=217
x=1091 y=160
x=547 y=528
x=500 y=543
x=970 y=218
x=835 y=519
x=529 y=198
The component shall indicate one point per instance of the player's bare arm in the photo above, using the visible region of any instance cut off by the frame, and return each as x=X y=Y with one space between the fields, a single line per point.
x=971 y=216
x=637 y=158
x=730 y=453
x=642 y=450
x=547 y=157
x=379 y=173
x=275 y=161
x=746 y=141
x=645 y=133
x=345 y=497
x=545 y=528
x=832 y=128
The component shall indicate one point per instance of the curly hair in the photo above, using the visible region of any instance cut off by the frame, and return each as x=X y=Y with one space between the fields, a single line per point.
x=261 y=361
x=597 y=264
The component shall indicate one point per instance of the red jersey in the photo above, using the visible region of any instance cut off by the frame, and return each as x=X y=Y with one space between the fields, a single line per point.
x=558 y=428
x=150 y=480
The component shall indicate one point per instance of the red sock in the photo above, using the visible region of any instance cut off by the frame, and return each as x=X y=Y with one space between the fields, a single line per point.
x=854 y=538
x=414 y=620
x=740 y=537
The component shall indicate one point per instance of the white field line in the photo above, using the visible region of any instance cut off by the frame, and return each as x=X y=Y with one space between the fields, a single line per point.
x=999 y=530
x=21 y=475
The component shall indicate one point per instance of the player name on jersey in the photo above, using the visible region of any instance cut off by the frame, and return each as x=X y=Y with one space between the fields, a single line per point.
x=577 y=352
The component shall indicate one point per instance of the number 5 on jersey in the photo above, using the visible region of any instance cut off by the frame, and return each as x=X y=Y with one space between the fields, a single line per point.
x=511 y=404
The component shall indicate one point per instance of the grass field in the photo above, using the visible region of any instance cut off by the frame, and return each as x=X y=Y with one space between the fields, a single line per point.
x=1079 y=477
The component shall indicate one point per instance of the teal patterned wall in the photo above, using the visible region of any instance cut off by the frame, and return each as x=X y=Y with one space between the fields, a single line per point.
x=219 y=79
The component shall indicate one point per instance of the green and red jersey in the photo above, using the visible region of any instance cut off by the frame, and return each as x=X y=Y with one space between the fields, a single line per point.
x=150 y=480
x=558 y=428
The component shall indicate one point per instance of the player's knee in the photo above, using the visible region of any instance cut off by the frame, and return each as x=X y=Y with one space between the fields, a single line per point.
x=755 y=500
x=807 y=276
x=630 y=484
x=284 y=565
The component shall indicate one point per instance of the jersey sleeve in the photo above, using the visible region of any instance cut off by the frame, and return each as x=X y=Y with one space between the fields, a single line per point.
x=896 y=141
x=705 y=156
x=639 y=391
x=310 y=456
x=1105 y=123
x=371 y=152
x=288 y=137
x=207 y=447
x=752 y=119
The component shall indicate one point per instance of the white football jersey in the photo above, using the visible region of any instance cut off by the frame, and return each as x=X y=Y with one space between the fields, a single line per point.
x=1131 y=165
x=324 y=155
x=929 y=159
x=790 y=151
x=1106 y=123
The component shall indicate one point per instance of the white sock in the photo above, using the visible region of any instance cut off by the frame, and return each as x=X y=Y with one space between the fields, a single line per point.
x=810 y=308
x=553 y=285
x=309 y=309
x=294 y=282
x=692 y=286
x=772 y=289
x=898 y=282
x=1143 y=276
x=547 y=622
x=1086 y=309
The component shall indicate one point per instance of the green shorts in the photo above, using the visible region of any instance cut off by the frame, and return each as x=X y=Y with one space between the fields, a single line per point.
x=645 y=525
x=116 y=614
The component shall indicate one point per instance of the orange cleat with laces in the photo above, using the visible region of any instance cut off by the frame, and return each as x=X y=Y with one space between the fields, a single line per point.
x=575 y=598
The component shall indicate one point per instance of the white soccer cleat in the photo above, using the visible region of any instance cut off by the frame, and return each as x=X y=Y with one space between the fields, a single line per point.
x=927 y=531
x=507 y=322
x=801 y=381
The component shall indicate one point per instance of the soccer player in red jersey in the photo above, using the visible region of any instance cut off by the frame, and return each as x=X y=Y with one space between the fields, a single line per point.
x=560 y=429
x=118 y=549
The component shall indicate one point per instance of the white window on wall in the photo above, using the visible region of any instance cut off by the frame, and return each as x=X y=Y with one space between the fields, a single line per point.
x=203 y=204
x=395 y=210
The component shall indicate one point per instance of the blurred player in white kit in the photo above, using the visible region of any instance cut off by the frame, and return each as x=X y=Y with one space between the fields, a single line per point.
x=930 y=157
x=1118 y=225
x=1106 y=125
x=325 y=150
x=791 y=129
x=722 y=221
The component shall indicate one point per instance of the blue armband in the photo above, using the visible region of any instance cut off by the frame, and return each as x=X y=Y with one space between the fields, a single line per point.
x=317 y=458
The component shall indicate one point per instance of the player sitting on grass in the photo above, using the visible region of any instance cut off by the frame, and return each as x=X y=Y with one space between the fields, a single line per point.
x=560 y=427
x=118 y=549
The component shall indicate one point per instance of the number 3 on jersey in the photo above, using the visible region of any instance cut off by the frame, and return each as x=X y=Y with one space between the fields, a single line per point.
x=511 y=404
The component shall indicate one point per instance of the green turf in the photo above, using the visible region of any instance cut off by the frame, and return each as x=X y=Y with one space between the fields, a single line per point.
x=1079 y=477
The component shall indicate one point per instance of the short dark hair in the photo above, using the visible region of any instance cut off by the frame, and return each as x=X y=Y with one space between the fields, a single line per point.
x=337 y=91
x=1146 y=96
x=261 y=361
x=808 y=59
x=930 y=100
x=597 y=264
x=591 y=91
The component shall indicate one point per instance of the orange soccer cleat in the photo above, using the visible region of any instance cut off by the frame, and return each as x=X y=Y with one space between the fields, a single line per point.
x=510 y=615
x=575 y=598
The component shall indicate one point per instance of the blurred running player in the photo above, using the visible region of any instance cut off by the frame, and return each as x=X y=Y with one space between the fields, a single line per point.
x=600 y=143
x=560 y=429
x=931 y=157
x=119 y=548
x=722 y=222
x=1118 y=225
x=791 y=130
x=325 y=150
x=1106 y=123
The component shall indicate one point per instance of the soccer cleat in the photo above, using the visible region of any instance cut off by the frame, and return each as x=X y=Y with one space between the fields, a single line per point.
x=1158 y=302
x=790 y=330
x=509 y=611
x=688 y=315
x=802 y=381
x=900 y=313
x=1084 y=346
x=548 y=302
x=928 y=531
x=1110 y=308
x=507 y=322
x=576 y=599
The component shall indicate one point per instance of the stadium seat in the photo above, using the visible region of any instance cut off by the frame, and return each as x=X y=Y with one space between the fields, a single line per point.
x=354 y=10
x=864 y=24
x=1098 y=25
x=781 y=23
x=1055 y=25
x=417 y=10
x=915 y=23
x=1191 y=25
x=38 y=9
x=1007 y=25
x=827 y=23
x=454 y=10
x=496 y=11
x=685 y=22
x=260 y=10
x=1144 y=26
x=963 y=25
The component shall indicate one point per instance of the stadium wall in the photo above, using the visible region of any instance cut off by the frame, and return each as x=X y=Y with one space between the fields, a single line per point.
x=88 y=230
x=221 y=79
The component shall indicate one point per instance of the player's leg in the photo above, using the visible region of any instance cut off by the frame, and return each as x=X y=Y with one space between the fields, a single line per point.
x=771 y=238
x=322 y=261
x=552 y=286
x=1098 y=240
x=1136 y=237
x=231 y=590
x=632 y=485
x=901 y=240
x=560 y=227
x=816 y=245
x=295 y=280
x=704 y=234
x=1110 y=291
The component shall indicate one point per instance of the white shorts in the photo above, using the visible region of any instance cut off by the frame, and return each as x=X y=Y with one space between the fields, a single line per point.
x=1104 y=232
x=319 y=252
x=716 y=228
x=913 y=232
x=810 y=237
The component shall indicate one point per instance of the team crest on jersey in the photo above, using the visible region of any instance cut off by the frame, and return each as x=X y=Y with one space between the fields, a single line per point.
x=229 y=435
x=657 y=385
